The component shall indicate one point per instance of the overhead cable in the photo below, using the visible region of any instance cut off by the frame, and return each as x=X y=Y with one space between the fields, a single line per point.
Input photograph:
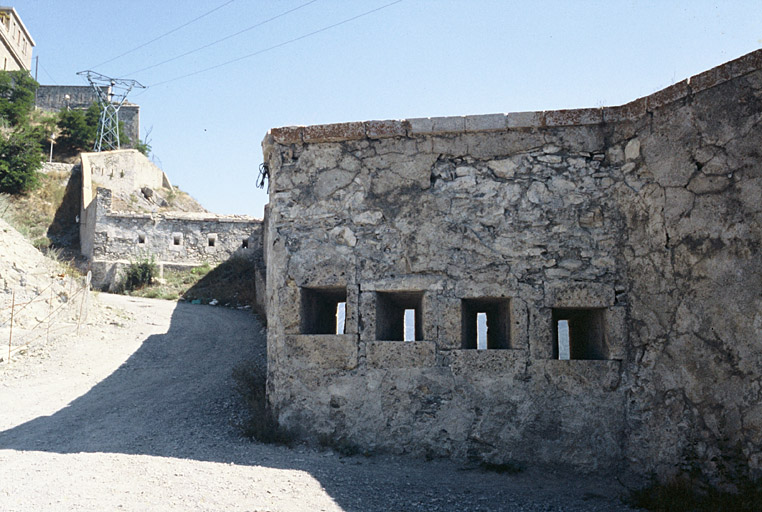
x=259 y=52
x=164 y=34
x=223 y=39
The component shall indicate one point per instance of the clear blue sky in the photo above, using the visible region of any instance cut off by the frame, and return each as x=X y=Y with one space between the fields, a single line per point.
x=416 y=58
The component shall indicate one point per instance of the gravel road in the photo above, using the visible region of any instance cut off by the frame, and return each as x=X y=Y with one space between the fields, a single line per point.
x=136 y=413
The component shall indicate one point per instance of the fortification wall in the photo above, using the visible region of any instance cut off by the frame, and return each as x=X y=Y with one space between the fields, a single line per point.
x=53 y=98
x=171 y=239
x=59 y=97
x=111 y=239
x=122 y=171
x=637 y=227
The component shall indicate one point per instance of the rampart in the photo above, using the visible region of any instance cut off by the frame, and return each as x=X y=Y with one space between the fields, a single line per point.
x=53 y=98
x=112 y=236
x=613 y=254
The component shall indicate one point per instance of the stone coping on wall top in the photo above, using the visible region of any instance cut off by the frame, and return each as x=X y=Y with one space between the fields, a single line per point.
x=631 y=111
x=185 y=216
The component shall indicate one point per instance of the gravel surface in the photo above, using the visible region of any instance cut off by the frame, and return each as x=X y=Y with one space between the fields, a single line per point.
x=136 y=414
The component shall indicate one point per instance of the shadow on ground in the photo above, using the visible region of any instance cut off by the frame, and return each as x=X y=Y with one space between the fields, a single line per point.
x=174 y=398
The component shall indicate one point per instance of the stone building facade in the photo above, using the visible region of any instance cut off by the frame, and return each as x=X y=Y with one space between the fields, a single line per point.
x=52 y=98
x=17 y=43
x=613 y=254
x=113 y=234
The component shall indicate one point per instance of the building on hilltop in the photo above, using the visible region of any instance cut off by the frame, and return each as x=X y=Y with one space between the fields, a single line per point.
x=614 y=254
x=53 y=98
x=130 y=211
x=16 y=51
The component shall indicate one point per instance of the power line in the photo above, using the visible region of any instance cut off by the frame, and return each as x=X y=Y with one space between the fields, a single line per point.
x=223 y=39
x=164 y=34
x=46 y=71
x=259 y=52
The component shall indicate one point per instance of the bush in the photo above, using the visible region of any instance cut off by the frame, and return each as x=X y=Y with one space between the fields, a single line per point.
x=142 y=146
x=139 y=274
x=20 y=159
x=259 y=422
x=17 y=96
x=79 y=128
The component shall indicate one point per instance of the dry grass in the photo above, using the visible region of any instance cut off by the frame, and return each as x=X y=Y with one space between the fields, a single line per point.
x=230 y=283
x=43 y=215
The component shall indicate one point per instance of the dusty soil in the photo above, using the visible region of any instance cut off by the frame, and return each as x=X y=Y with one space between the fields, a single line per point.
x=136 y=414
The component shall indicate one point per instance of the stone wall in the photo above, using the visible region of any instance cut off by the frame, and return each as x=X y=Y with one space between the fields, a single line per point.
x=173 y=240
x=638 y=227
x=122 y=171
x=111 y=238
x=53 y=98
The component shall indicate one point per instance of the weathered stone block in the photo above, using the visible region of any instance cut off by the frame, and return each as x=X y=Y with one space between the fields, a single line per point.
x=485 y=123
x=334 y=132
x=400 y=354
x=580 y=116
x=385 y=129
x=328 y=351
x=448 y=124
x=419 y=126
x=287 y=135
x=669 y=95
x=631 y=111
x=524 y=119
x=579 y=295
x=477 y=364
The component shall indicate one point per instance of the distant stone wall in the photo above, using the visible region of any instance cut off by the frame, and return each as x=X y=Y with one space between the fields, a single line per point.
x=122 y=171
x=53 y=98
x=637 y=228
x=174 y=240
x=111 y=239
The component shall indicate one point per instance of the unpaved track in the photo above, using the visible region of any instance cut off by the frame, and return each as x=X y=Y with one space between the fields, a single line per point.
x=136 y=414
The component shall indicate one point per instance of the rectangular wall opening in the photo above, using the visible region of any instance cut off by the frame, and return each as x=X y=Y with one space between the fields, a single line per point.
x=141 y=238
x=399 y=316
x=177 y=239
x=323 y=310
x=486 y=323
x=212 y=241
x=245 y=243
x=579 y=333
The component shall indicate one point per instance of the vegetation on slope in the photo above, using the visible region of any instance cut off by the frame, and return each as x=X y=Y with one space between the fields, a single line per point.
x=46 y=216
x=230 y=283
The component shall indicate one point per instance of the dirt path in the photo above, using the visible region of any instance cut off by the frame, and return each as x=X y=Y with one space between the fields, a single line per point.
x=136 y=415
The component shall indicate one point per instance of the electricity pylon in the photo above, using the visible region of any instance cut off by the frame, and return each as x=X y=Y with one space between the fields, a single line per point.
x=112 y=94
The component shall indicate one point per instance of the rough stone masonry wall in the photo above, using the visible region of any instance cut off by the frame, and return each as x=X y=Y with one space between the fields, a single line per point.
x=638 y=224
x=54 y=98
x=111 y=239
x=172 y=240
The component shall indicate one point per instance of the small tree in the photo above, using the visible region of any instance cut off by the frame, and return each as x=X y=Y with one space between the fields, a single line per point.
x=20 y=159
x=17 y=96
x=78 y=129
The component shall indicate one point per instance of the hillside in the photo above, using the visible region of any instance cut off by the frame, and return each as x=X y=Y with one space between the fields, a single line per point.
x=43 y=298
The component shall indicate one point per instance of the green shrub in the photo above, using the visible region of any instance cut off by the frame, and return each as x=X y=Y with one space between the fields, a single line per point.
x=142 y=146
x=20 y=159
x=139 y=274
x=78 y=129
x=17 y=96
